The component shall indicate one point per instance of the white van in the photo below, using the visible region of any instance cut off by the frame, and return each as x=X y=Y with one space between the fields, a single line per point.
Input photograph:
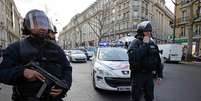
x=171 y=52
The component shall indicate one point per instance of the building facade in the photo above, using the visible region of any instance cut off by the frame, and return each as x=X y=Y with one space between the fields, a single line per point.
x=188 y=23
x=109 y=20
x=10 y=22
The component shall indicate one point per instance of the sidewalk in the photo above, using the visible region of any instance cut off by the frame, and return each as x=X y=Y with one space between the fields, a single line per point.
x=191 y=63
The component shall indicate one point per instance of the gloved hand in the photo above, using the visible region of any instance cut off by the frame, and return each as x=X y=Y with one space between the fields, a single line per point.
x=55 y=91
x=32 y=75
x=158 y=81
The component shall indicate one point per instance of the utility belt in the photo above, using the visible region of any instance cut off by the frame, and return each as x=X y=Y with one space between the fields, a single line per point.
x=146 y=71
x=17 y=96
x=142 y=71
x=26 y=99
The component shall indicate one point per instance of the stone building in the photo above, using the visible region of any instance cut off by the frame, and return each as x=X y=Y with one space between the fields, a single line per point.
x=10 y=22
x=109 y=20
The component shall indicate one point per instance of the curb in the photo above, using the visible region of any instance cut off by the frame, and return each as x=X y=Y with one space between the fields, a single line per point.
x=190 y=63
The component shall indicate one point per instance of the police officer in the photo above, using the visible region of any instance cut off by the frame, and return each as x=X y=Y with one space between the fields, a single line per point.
x=1 y=58
x=1 y=53
x=143 y=59
x=36 y=47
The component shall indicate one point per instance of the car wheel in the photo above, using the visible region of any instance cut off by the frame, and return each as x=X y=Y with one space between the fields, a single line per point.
x=85 y=61
x=94 y=82
x=165 y=59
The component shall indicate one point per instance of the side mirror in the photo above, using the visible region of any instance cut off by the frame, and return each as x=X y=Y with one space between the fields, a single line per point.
x=161 y=51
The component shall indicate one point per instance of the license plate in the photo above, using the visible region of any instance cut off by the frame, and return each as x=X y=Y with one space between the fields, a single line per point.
x=174 y=58
x=124 y=88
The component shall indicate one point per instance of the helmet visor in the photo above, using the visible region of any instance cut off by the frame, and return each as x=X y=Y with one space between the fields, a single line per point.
x=39 y=20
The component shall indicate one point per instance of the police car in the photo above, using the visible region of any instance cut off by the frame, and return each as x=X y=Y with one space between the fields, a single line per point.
x=111 y=69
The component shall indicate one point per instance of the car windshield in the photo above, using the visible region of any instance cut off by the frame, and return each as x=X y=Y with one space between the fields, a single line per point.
x=83 y=50
x=77 y=52
x=91 y=49
x=113 y=54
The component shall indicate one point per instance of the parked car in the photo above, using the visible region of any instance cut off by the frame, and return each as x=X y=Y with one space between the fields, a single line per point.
x=76 y=56
x=85 y=51
x=110 y=69
x=197 y=58
x=90 y=51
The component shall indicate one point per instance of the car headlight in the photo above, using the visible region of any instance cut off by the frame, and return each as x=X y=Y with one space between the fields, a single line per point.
x=104 y=72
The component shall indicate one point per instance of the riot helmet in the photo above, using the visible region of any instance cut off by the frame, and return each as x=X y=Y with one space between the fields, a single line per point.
x=142 y=27
x=52 y=33
x=36 y=23
x=53 y=30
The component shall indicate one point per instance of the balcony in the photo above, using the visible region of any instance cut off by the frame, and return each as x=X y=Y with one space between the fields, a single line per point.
x=183 y=20
x=185 y=3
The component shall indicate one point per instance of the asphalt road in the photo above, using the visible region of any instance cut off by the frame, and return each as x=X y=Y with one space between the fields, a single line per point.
x=181 y=83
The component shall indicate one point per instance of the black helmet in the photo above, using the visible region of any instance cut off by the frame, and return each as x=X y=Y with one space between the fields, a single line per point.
x=36 y=22
x=53 y=30
x=144 y=26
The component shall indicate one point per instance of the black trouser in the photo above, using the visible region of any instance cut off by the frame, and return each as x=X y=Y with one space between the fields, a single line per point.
x=35 y=99
x=142 y=82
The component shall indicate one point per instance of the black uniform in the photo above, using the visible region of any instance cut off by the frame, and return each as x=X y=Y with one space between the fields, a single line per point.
x=143 y=59
x=51 y=58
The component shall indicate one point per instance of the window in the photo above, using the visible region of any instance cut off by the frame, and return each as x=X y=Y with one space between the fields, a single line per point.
x=183 y=31
x=198 y=11
x=135 y=8
x=119 y=7
x=124 y=15
x=184 y=1
x=135 y=14
x=135 y=2
x=146 y=9
x=197 y=30
x=184 y=16
x=119 y=16
x=184 y=13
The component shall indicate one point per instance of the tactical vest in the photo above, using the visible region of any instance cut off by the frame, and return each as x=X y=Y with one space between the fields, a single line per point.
x=152 y=60
x=149 y=62
x=47 y=56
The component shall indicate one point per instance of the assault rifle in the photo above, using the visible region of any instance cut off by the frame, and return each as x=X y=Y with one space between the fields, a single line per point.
x=49 y=78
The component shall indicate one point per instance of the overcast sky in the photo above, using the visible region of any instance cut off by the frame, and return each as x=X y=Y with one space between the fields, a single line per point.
x=63 y=10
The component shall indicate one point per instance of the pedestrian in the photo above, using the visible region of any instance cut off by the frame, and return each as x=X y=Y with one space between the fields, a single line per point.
x=143 y=59
x=1 y=58
x=126 y=45
x=1 y=53
x=35 y=47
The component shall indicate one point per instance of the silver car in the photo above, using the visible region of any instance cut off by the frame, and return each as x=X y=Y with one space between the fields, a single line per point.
x=76 y=56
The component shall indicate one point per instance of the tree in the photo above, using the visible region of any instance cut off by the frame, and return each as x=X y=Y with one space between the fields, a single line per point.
x=100 y=12
x=78 y=29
